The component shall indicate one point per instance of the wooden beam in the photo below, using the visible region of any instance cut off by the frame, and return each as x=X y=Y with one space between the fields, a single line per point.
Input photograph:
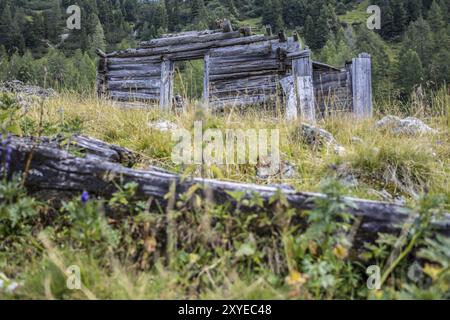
x=302 y=71
x=166 y=88
x=206 y=72
x=362 y=85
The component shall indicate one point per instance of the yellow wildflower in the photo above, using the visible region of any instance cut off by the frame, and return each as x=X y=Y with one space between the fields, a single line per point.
x=340 y=251
x=432 y=271
x=296 y=278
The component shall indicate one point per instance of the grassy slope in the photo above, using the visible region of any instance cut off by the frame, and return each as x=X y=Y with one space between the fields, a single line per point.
x=417 y=161
x=124 y=273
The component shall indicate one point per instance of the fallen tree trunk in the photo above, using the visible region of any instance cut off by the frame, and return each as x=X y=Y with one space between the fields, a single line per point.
x=54 y=169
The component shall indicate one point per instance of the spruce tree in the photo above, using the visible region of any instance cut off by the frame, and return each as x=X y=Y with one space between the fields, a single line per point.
x=410 y=71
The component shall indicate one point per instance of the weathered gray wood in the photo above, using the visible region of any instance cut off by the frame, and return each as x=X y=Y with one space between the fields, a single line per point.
x=165 y=99
x=362 y=85
x=261 y=65
x=288 y=85
x=134 y=74
x=196 y=37
x=134 y=84
x=244 y=100
x=240 y=75
x=58 y=172
x=131 y=96
x=147 y=60
x=142 y=52
x=206 y=73
x=330 y=76
x=302 y=71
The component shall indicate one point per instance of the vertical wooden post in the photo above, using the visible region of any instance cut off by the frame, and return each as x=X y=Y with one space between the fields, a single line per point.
x=288 y=85
x=362 y=85
x=303 y=72
x=206 y=80
x=166 y=88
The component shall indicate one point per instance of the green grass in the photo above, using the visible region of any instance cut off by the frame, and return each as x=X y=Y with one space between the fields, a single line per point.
x=357 y=15
x=196 y=250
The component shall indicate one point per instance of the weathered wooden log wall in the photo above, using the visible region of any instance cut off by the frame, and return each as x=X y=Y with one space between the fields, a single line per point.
x=332 y=89
x=240 y=69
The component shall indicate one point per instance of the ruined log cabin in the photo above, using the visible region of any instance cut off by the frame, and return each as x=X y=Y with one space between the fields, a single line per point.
x=240 y=69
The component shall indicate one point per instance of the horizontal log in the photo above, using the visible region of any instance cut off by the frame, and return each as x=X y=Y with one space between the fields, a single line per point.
x=196 y=37
x=241 y=75
x=135 y=67
x=141 y=52
x=265 y=64
x=241 y=58
x=54 y=170
x=325 y=87
x=135 y=60
x=147 y=73
x=245 y=100
x=220 y=94
x=254 y=49
x=134 y=84
x=132 y=96
x=326 y=77
x=242 y=84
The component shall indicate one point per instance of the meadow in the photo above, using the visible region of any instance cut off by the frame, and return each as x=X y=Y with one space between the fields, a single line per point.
x=199 y=250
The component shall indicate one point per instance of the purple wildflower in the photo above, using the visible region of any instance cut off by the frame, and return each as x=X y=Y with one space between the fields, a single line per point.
x=84 y=197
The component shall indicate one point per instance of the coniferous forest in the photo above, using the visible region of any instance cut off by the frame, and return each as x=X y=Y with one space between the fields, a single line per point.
x=411 y=49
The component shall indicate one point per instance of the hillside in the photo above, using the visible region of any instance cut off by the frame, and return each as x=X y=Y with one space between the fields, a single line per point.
x=410 y=50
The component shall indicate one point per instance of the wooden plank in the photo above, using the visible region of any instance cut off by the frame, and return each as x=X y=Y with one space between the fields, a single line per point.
x=196 y=37
x=166 y=90
x=135 y=74
x=362 y=85
x=288 y=85
x=240 y=75
x=130 y=96
x=142 y=52
x=142 y=67
x=261 y=65
x=206 y=73
x=134 y=84
x=302 y=71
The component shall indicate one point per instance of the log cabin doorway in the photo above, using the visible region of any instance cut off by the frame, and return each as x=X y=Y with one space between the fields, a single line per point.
x=188 y=80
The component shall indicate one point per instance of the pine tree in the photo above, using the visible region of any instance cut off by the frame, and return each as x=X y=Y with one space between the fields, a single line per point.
x=98 y=40
x=420 y=38
x=410 y=71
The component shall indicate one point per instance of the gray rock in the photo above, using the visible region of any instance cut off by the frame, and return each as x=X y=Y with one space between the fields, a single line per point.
x=357 y=140
x=18 y=87
x=26 y=95
x=285 y=170
x=407 y=126
x=163 y=125
x=318 y=137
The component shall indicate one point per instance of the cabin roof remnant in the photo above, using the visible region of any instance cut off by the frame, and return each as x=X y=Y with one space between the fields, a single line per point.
x=240 y=68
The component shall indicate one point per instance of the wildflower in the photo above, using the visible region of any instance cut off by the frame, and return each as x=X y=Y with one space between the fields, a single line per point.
x=84 y=197
x=432 y=271
x=340 y=251
x=296 y=279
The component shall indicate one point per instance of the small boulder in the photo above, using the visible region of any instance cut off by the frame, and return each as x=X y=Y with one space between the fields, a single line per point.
x=285 y=170
x=317 y=137
x=408 y=126
x=163 y=125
